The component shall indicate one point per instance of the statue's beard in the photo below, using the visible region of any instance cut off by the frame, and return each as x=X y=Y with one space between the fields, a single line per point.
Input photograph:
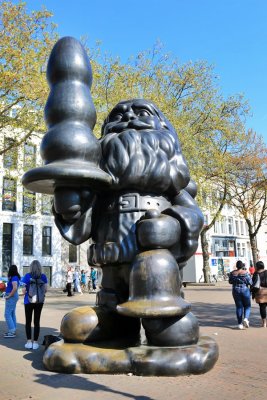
x=146 y=160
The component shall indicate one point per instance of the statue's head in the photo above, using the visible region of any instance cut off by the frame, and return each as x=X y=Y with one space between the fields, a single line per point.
x=134 y=114
x=141 y=149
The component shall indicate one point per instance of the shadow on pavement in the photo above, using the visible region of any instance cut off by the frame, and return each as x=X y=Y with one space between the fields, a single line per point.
x=59 y=381
x=19 y=341
x=219 y=315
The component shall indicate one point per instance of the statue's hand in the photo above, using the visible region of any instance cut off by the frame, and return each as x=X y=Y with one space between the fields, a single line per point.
x=70 y=204
x=73 y=213
x=190 y=217
x=67 y=204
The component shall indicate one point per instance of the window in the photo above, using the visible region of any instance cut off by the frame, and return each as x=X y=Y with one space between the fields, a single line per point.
x=29 y=156
x=238 y=248
x=243 y=251
x=29 y=202
x=237 y=227
x=206 y=219
x=216 y=227
x=46 y=204
x=7 y=248
x=223 y=225
x=72 y=253
x=242 y=227
x=47 y=241
x=10 y=156
x=27 y=240
x=230 y=226
x=9 y=195
x=225 y=244
x=47 y=270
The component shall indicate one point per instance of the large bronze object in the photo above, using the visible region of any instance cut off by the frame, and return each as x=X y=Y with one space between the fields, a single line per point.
x=129 y=192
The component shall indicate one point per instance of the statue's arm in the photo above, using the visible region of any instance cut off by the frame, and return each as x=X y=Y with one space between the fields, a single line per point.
x=190 y=217
x=73 y=210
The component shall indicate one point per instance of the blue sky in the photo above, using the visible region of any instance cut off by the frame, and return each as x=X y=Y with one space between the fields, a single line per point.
x=229 y=34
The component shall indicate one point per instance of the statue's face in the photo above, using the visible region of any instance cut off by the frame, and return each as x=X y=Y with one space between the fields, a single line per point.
x=138 y=115
x=140 y=149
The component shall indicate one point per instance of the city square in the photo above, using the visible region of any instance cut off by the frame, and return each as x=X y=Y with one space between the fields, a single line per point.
x=142 y=178
x=240 y=371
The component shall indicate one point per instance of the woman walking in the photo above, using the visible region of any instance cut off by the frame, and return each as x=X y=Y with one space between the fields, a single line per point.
x=260 y=294
x=76 y=279
x=83 y=280
x=33 y=308
x=241 y=280
x=69 y=278
x=11 y=296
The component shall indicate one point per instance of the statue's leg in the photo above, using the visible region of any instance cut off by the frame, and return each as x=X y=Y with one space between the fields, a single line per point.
x=172 y=331
x=98 y=323
x=102 y=322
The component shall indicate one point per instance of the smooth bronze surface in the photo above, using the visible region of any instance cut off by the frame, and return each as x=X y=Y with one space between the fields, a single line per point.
x=131 y=194
x=140 y=360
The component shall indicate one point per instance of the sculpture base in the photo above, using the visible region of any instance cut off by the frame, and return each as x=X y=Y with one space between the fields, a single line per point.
x=142 y=360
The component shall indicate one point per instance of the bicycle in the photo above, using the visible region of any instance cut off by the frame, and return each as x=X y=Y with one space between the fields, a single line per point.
x=212 y=278
x=223 y=277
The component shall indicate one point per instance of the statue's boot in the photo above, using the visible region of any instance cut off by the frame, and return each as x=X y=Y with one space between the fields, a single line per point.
x=93 y=324
x=96 y=340
x=172 y=331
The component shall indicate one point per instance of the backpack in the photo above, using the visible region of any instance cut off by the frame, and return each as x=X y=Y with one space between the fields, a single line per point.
x=36 y=292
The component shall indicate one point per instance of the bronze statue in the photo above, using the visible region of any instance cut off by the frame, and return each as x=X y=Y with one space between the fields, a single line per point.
x=130 y=193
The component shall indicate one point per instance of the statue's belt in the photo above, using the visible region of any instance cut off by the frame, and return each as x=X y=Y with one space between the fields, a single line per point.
x=129 y=202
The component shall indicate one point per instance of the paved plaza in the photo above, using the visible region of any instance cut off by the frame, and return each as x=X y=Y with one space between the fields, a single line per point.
x=240 y=373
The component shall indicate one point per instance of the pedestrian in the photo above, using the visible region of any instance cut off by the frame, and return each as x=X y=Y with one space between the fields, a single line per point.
x=260 y=294
x=69 y=278
x=11 y=298
x=76 y=280
x=241 y=280
x=33 y=309
x=83 y=280
x=93 y=276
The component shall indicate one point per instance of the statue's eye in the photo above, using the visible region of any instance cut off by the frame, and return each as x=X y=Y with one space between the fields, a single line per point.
x=116 y=117
x=143 y=113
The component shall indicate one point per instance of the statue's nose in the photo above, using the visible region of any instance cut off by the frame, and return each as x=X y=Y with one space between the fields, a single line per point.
x=129 y=115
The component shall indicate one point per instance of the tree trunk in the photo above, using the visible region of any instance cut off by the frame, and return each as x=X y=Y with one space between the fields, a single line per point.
x=254 y=250
x=205 y=254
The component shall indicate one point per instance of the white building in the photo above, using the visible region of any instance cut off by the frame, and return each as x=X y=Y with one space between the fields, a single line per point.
x=228 y=242
x=27 y=229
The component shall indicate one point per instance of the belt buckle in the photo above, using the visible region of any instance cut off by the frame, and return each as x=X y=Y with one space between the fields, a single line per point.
x=129 y=202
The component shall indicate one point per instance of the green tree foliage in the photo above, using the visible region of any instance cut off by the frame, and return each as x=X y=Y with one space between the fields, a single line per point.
x=188 y=94
x=26 y=38
x=249 y=185
x=210 y=127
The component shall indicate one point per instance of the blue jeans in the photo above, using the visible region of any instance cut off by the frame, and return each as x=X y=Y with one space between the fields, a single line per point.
x=242 y=300
x=10 y=312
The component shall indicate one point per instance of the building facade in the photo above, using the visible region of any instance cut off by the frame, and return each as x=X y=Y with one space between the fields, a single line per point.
x=27 y=229
x=228 y=242
x=28 y=232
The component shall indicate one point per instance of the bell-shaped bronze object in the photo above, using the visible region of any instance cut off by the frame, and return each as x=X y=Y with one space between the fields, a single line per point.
x=70 y=151
x=154 y=290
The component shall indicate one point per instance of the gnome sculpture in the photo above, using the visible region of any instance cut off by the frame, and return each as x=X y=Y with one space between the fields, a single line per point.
x=129 y=192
